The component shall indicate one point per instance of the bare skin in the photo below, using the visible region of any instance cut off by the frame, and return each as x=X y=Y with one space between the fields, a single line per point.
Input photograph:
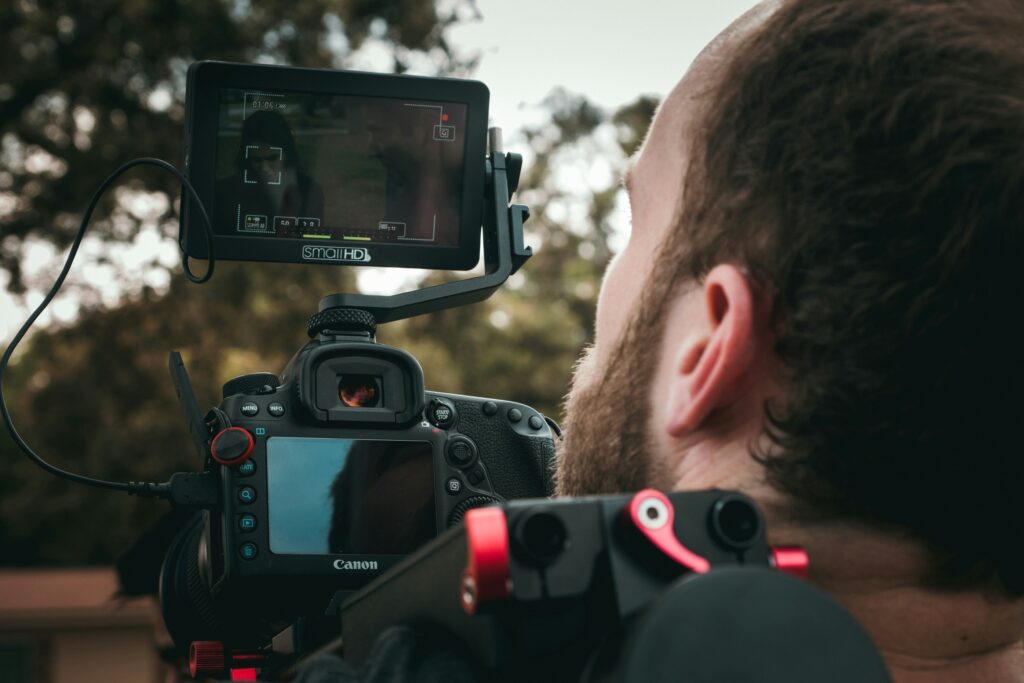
x=714 y=371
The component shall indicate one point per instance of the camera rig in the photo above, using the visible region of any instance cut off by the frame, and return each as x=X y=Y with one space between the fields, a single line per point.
x=627 y=588
x=398 y=464
x=638 y=587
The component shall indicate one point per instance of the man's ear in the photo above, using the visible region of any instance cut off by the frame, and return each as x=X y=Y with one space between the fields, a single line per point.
x=710 y=366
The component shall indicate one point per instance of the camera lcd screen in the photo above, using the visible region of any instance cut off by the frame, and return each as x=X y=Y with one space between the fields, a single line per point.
x=339 y=167
x=335 y=167
x=343 y=496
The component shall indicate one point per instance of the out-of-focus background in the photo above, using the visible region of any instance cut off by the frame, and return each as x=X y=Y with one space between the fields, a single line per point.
x=88 y=84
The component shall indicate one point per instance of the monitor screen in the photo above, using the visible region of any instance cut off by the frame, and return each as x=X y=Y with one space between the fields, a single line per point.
x=343 y=496
x=342 y=168
x=331 y=167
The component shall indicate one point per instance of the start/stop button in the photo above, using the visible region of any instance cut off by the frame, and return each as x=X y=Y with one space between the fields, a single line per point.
x=440 y=413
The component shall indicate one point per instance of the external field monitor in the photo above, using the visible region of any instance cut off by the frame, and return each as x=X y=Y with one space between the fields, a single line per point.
x=335 y=167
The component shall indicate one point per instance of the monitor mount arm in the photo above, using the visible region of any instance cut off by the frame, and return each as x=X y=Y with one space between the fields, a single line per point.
x=504 y=253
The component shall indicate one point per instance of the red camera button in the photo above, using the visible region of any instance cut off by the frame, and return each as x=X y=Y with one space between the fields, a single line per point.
x=232 y=446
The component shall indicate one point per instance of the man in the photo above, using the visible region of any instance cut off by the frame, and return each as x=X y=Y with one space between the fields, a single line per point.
x=828 y=216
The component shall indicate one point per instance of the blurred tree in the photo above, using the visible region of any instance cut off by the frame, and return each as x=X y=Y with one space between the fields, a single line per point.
x=86 y=85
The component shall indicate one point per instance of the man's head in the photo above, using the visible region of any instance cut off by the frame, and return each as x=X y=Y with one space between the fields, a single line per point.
x=828 y=214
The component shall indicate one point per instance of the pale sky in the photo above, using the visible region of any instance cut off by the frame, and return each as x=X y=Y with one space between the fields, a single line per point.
x=611 y=52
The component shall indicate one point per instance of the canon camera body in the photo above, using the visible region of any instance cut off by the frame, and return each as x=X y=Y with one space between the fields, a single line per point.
x=333 y=474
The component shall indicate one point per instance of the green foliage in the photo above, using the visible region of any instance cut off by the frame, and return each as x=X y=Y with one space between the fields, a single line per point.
x=94 y=396
x=88 y=84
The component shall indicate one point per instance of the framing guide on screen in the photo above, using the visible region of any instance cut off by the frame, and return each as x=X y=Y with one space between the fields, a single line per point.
x=338 y=167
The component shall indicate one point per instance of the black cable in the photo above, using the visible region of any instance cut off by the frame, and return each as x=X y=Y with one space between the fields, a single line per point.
x=132 y=487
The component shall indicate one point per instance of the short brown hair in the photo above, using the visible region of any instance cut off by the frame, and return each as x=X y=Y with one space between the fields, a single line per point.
x=865 y=159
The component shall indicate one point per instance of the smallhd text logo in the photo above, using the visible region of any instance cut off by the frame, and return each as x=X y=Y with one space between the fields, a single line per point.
x=317 y=252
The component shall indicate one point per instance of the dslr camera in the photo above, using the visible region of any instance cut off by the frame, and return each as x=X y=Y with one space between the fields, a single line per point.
x=327 y=476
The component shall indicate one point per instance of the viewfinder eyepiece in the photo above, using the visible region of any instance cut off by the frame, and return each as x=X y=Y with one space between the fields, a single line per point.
x=359 y=391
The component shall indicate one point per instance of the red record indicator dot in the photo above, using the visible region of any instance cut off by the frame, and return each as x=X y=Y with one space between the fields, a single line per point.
x=444 y=117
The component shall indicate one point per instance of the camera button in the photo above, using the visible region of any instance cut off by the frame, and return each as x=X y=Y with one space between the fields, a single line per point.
x=253 y=383
x=489 y=408
x=250 y=409
x=535 y=422
x=461 y=451
x=247 y=468
x=246 y=495
x=475 y=475
x=440 y=413
x=248 y=551
x=247 y=523
x=231 y=446
x=453 y=486
x=275 y=409
x=515 y=415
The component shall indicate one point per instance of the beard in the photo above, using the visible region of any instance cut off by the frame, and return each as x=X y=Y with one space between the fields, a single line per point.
x=607 y=446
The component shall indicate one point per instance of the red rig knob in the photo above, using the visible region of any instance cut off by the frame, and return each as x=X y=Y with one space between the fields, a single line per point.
x=792 y=560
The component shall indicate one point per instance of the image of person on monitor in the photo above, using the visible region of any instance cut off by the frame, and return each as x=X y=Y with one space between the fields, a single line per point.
x=383 y=499
x=269 y=192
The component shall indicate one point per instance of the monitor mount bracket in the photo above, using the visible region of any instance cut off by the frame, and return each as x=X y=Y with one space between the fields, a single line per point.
x=504 y=253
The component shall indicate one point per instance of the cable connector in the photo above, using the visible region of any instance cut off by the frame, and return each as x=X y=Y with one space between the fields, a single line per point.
x=185 y=489
x=148 y=489
x=195 y=489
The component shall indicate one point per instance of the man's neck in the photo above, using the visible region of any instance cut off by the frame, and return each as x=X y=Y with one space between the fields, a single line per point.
x=924 y=634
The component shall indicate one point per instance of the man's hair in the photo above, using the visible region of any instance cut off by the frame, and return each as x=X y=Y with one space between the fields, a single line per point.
x=864 y=160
